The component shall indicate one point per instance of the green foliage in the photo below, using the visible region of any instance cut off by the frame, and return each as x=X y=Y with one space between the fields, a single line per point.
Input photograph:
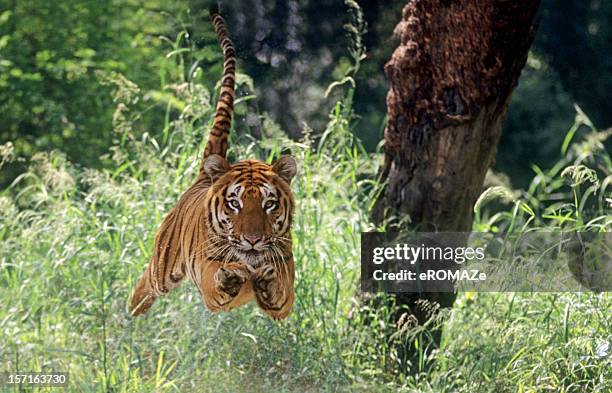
x=74 y=241
x=574 y=194
x=50 y=53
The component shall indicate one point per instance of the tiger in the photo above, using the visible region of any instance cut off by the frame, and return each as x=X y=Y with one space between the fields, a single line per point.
x=230 y=232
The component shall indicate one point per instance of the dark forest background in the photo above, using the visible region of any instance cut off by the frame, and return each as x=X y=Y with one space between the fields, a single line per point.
x=53 y=96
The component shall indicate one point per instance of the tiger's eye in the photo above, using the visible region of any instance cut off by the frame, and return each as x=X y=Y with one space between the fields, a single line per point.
x=235 y=204
x=269 y=205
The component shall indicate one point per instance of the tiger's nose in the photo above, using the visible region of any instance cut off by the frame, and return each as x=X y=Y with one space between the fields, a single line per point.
x=253 y=239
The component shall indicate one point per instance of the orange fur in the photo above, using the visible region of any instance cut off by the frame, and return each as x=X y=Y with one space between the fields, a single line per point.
x=231 y=230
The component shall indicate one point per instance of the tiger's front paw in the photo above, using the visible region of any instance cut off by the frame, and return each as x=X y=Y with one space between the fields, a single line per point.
x=229 y=280
x=267 y=288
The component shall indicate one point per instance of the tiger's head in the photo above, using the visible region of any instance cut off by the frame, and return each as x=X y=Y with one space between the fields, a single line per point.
x=250 y=206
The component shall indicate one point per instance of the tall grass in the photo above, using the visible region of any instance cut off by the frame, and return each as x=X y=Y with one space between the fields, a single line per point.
x=73 y=241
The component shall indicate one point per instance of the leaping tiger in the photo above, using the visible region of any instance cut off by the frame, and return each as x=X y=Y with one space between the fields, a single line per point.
x=231 y=230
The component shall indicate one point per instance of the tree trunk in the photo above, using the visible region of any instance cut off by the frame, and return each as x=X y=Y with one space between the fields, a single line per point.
x=451 y=78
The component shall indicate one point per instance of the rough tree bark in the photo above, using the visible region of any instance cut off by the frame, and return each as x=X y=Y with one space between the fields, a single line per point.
x=451 y=77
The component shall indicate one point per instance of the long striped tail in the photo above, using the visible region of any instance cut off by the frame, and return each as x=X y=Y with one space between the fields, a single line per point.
x=218 y=137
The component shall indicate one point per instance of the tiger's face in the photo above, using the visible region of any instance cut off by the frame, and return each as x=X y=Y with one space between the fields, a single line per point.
x=249 y=208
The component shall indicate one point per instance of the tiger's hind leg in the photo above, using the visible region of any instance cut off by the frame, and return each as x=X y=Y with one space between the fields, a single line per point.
x=225 y=286
x=273 y=286
x=149 y=287
x=165 y=270
x=143 y=296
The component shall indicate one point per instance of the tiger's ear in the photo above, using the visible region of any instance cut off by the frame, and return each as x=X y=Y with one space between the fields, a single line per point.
x=285 y=167
x=216 y=166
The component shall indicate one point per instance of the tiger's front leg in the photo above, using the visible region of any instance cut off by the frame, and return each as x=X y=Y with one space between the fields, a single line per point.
x=225 y=286
x=273 y=286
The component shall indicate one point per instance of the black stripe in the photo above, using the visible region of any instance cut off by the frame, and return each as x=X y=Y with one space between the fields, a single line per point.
x=222 y=121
